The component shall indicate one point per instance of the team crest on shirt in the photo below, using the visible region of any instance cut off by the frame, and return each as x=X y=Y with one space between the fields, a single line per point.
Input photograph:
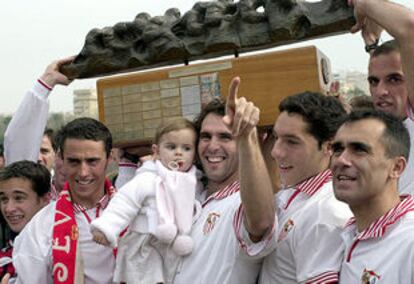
x=369 y=277
x=286 y=229
x=210 y=222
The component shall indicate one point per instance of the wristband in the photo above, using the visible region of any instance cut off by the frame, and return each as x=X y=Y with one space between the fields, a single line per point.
x=372 y=46
x=44 y=84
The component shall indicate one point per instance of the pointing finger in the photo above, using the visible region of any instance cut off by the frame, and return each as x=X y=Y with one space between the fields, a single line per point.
x=231 y=101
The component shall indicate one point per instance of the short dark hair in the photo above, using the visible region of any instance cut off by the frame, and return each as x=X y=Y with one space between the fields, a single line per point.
x=395 y=138
x=85 y=128
x=1 y=150
x=50 y=134
x=57 y=139
x=361 y=102
x=323 y=114
x=216 y=106
x=37 y=174
x=386 y=48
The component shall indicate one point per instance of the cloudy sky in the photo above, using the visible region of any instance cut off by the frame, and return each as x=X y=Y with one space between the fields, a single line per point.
x=34 y=33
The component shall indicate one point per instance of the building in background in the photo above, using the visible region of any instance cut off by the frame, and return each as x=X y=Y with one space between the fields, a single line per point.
x=85 y=103
x=352 y=83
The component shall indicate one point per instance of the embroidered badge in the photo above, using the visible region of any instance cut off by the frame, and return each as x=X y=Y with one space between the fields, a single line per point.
x=210 y=222
x=286 y=229
x=369 y=277
x=74 y=235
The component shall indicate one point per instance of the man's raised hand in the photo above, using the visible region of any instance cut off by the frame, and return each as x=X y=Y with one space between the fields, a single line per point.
x=370 y=30
x=52 y=76
x=241 y=116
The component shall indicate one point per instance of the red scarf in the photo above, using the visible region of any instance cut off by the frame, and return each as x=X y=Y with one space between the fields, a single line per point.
x=6 y=256
x=67 y=262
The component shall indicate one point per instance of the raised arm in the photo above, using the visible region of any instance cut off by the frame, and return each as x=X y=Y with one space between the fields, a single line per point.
x=24 y=133
x=255 y=185
x=398 y=21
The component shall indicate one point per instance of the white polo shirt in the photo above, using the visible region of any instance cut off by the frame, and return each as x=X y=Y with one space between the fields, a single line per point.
x=308 y=246
x=406 y=181
x=384 y=252
x=216 y=257
x=32 y=255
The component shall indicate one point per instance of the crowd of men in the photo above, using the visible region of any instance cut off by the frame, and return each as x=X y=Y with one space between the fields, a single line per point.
x=325 y=198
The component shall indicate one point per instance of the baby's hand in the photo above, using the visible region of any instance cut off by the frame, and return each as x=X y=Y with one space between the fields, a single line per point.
x=99 y=237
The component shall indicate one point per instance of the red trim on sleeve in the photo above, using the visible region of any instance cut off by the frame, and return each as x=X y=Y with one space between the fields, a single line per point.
x=237 y=226
x=329 y=277
x=41 y=82
x=237 y=222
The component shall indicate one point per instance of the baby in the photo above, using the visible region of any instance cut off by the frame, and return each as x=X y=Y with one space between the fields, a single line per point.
x=157 y=206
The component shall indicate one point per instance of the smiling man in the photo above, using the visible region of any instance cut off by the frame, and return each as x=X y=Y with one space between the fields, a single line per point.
x=370 y=153
x=24 y=188
x=230 y=155
x=85 y=146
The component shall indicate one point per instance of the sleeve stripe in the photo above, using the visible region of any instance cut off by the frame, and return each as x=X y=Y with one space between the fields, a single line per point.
x=324 y=278
x=237 y=226
x=44 y=84
x=237 y=220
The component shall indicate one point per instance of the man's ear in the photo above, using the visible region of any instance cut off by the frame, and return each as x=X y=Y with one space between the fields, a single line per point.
x=44 y=200
x=326 y=147
x=400 y=163
x=155 y=150
x=111 y=155
x=108 y=159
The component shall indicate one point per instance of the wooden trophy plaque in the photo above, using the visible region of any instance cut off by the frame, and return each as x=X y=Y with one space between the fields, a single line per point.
x=135 y=104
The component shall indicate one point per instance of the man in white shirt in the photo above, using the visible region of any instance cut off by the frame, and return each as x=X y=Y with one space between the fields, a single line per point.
x=307 y=245
x=30 y=121
x=231 y=157
x=85 y=146
x=391 y=65
x=370 y=152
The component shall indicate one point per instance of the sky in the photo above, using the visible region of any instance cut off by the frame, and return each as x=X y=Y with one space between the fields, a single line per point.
x=35 y=33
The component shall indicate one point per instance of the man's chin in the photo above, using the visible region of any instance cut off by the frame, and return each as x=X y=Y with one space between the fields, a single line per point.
x=387 y=109
x=80 y=189
x=16 y=230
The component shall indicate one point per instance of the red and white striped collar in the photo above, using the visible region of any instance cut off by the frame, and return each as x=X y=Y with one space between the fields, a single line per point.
x=409 y=111
x=225 y=192
x=310 y=186
x=377 y=228
x=102 y=203
x=313 y=184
